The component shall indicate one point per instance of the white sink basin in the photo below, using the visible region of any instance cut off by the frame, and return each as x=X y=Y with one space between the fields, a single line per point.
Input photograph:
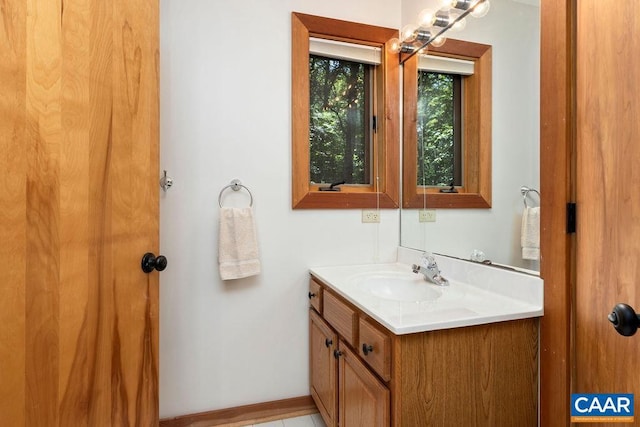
x=404 y=302
x=399 y=287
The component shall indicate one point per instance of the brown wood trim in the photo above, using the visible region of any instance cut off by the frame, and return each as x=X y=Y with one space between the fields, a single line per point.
x=344 y=200
x=18 y=186
x=345 y=30
x=556 y=138
x=460 y=49
x=436 y=199
x=247 y=414
x=387 y=150
x=476 y=192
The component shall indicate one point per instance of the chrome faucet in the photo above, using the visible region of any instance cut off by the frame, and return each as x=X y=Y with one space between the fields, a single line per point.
x=429 y=268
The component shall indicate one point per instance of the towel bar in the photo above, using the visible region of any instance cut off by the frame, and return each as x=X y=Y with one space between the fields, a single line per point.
x=524 y=190
x=235 y=185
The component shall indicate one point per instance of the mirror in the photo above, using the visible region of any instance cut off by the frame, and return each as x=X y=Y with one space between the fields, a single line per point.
x=512 y=28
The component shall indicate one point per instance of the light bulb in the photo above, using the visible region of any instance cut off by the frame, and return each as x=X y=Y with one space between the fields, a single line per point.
x=481 y=9
x=408 y=32
x=438 y=41
x=460 y=24
x=426 y=18
x=421 y=50
x=394 y=45
x=445 y=4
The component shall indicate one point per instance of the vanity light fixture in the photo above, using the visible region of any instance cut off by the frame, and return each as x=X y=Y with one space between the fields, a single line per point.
x=433 y=23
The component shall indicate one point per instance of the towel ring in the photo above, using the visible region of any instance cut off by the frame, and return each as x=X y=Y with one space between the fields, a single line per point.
x=524 y=190
x=235 y=186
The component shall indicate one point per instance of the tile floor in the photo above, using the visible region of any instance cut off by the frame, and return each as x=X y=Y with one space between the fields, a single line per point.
x=313 y=420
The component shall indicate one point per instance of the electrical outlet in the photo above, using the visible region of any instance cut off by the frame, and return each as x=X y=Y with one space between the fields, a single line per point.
x=427 y=215
x=370 y=216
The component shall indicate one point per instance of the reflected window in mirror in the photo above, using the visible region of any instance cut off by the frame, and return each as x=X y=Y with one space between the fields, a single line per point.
x=447 y=127
x=345 y=115
x=438 y=129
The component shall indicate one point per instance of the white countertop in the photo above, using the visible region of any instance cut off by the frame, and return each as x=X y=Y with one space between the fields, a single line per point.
x=477 y=294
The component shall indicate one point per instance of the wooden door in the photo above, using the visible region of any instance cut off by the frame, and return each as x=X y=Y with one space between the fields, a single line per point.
x=608 y=179
x=323 y=368
x=78 y=209
x=364 y=400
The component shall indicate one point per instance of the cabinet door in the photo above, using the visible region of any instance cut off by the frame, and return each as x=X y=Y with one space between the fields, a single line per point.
x=375 y=349
x=323 y=368
x=364 y=400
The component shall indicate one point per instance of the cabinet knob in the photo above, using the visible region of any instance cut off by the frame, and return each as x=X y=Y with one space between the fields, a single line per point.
x=367 y=348
x=312 y=295
x=337 y=353
x=328 y=342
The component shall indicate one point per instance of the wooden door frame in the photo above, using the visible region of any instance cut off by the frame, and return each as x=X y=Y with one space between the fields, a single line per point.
x=557 y=122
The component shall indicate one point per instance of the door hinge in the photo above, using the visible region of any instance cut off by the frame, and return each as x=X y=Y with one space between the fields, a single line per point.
x=571 y=218
x=374 y=124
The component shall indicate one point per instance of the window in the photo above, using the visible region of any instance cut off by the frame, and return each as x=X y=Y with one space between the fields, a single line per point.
x=447 y=127
x=341 y=121
x=345 y=103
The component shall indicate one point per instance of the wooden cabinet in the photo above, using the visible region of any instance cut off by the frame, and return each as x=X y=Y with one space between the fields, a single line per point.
x=364 y=400
x=324 y=375
x=337 y=373
x=483 y=375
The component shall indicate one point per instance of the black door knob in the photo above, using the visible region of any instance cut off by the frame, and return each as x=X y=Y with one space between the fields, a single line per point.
x=151 y=262
x=624 y=319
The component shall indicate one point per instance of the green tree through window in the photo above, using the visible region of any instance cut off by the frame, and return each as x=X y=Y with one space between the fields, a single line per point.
x=339 y=121
x=438 y=136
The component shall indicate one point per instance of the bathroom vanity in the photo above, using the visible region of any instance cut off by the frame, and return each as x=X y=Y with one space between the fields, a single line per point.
x=385 y=352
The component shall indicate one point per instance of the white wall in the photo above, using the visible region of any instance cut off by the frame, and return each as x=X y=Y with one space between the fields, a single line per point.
x=512 y=28
x=225 y=113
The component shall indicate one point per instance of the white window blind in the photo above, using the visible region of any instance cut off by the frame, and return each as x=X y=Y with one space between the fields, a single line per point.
x=442 y=64
x=347 y=51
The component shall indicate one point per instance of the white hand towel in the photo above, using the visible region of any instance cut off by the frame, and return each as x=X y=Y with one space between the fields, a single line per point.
x=238 y=246
x=530 y=233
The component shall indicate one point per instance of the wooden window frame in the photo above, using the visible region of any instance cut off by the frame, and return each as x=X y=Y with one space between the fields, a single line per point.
x=476 y=189
x=385 y=148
